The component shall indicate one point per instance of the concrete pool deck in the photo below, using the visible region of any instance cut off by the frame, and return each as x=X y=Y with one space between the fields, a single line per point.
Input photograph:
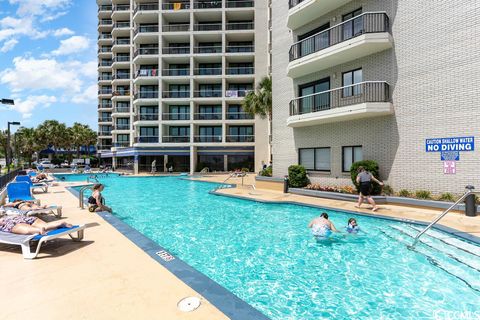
x=105 y=276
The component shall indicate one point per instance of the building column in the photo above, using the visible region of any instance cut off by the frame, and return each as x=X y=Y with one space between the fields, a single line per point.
x=114 y=162
x=225 y=162
x=135 y=163
x=193 y=159
x=165 y=161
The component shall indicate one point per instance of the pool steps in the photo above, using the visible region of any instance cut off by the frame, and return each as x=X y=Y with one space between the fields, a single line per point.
x=445 y=261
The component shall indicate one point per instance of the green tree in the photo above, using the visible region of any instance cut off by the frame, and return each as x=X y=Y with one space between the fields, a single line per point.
x=51 y=133
x=82 y=135
x=26 y=143
x=259 y=103
x=3 y=143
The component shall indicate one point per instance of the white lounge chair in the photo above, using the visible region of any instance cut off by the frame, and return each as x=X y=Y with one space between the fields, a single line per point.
x=55 y=210
x=24 y=240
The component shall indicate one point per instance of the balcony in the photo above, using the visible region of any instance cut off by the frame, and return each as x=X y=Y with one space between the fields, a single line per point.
x=121 y=93
x=240 y=70
x=175 y=27
x=104 y=147
x=236 y=93
x=122 y=42
x=239 y=116
x=207 y=93
x=146 y=95
x=175 y=6
x=105 y=105
x=121 y=59
x=105 y=63
x=105 y=91
x=105 y=119
x=353 y=39
x=176 y=50
x=176 y=139
x=118 y=127
x=122 y=110
x=207 y=27
x=177 y=116
x=121 y=76
x=240 y=138
x=176 y=94
x=123 y=144
x=208 y=139
x=240 y=49
x=145 y=52
x=104 y=133
x=207 y=49
x=208 y=116
x=105 y=8
x=105 y=77
x=146 y=117
x=148 y=73
x=147 y=139
x=207 y=5
x=207 y=71
x=146 y=7
x=175 y=72
x=363 y=100
x=105 y=23
x=121 y=7
x=145 y=29
x=240 y=26
x=304 y=11
x=122 y=25
x=240 y=4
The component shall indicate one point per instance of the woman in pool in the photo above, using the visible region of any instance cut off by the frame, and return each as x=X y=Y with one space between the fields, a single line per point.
x=95 y=201
x=364 y=178
x=21 y=224
x=321 y=227
x=352 y=226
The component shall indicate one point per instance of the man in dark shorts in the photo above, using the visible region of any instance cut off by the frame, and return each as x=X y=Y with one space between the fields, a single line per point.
x=364 y=179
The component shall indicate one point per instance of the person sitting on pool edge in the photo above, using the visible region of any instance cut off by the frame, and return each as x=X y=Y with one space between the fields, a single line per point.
x=95 y=201
x=322 y=227
x=352 y=226
x=21 y=224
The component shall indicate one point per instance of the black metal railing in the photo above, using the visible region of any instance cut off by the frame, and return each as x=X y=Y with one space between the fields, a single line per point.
x=215 y=4
x=176 y=116
x=175 y=27
x=6 y=178
x=175 y=139
x=372 y=22
x=240 y=4
x=240 y=138
x=146 y=139
x=368 y=91
x=293 y=3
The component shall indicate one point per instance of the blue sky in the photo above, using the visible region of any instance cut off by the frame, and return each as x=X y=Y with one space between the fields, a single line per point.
x=48 y=61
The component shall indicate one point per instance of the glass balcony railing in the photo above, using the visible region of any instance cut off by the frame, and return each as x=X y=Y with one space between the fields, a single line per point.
x=208 y=139
x=147 y=73
x=105 y=133
x=240 y=26
x=105 y=119
x=208 y=71
x=121 y=59
x=207 y=93
x=104 y=8
x=176 y=50
x=236 y=93
x=121 y=76
x=145 y=51
x=371 y=22
x=146 y=95
x=207 y=27
x=121 y=7
x=216 y=4
x=105 y=63
x=105 y=91
x=146 y=139
x=363 y=92
x=122 y=42
x=175 y=72
x=105 y=77
x=240 y=4
x=105 y=22
x=176 y=94
x=208 y=116
x=118 y=93
x=121 y=127
x=176 y=6
x=208 y=49
x=122 y=109
x=175 y=139
x=239 y=116
x=240 y=138
x=147 y=29
x=146 y=7
x=122 y=24
x=104 y=36
x=240 y=70
x=105 y=105
x=177 y=116
x=175 y=27
x=122 y=144
x=146 y=117
x=240 y=49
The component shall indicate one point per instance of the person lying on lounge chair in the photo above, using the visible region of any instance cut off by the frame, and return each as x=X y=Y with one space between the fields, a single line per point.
x=40 y=178
x=29 y=225
x=24 y=205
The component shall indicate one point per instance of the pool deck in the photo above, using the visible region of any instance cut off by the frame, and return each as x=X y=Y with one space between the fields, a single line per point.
x=105 y=276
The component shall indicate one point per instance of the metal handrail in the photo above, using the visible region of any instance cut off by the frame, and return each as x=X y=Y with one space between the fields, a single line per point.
x=80 y=198
x=444 y=213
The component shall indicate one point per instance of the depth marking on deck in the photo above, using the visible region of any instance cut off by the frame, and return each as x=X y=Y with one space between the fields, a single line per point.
x=165 y=255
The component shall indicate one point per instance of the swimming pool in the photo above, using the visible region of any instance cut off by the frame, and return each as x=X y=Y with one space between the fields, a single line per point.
x=78 y=177
x=265 y=254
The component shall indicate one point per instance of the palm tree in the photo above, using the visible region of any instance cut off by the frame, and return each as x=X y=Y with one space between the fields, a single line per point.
x=3 y=143
x=26 y=143
x=259 y=103
x=77 y=136
x=51 y=133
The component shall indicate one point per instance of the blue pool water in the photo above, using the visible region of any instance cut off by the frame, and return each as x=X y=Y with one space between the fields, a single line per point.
x=265 y=254
x=78 y=177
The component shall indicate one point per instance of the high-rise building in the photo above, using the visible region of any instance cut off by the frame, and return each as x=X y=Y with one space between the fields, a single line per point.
x=172 y=76
x=391 y=81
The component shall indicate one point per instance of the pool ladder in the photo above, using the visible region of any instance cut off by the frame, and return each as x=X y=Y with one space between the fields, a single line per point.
x=224 y=184
x=444 y=213
x=81 y=202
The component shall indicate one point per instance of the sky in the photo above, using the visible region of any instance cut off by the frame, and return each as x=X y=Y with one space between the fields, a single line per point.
x=48 y=61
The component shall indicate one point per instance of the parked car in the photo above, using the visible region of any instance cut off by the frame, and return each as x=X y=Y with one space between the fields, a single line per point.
x=47 y=165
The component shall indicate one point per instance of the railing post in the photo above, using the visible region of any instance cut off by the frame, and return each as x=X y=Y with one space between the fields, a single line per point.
x=470 y=203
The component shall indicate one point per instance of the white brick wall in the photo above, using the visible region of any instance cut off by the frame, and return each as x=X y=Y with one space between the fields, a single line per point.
x=434 y=74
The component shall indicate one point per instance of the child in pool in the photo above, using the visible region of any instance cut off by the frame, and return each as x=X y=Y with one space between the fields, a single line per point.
x=352 y=226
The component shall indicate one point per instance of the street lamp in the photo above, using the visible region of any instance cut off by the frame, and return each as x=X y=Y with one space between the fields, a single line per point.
x=14 y=123
x=7 y=101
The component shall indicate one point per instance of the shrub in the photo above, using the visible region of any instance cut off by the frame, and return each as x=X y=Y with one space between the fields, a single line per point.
x=447 y=196
x=404 y=193
x=372 y=167
x=297 y=176
x=245 y=170
x=423 y=194
x=387 y=190
x=267 y=172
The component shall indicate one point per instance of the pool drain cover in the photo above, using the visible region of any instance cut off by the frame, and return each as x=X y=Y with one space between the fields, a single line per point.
x=188 y=304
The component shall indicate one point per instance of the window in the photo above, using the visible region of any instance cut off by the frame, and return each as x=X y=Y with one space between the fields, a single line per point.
x=123 y=137
x=179 y=131
x=316 y=43
x=148 y=131
x=349 y=79
x=351 y=155
x=312 y=101
x=316 y=159
x=354 y=26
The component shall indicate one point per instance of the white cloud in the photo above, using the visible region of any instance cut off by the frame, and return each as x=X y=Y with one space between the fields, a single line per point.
x=72 y=45
x=41 y=74
x=26 y=107
x=89 y=95
x=40 y=7
x=9 y=45
x=63 y=32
